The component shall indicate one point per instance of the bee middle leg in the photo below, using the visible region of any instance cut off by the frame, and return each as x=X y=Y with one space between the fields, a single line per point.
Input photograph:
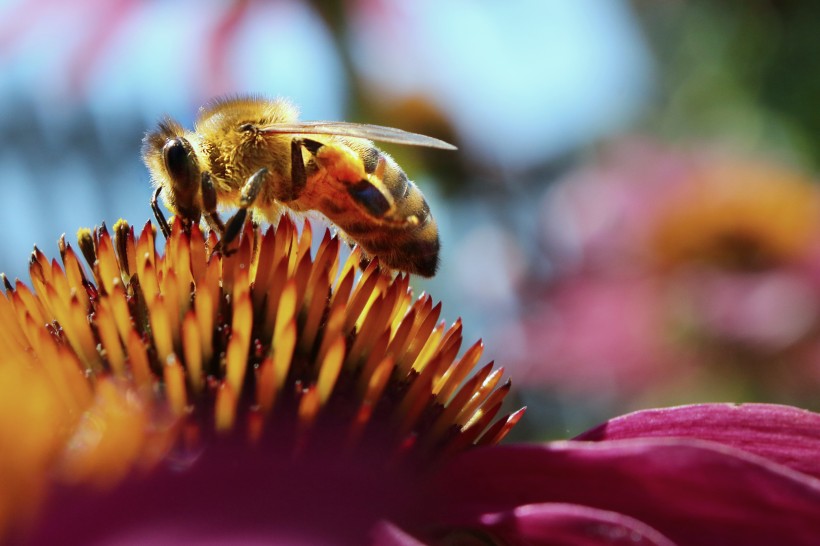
x=231 y=230
x=209 y=203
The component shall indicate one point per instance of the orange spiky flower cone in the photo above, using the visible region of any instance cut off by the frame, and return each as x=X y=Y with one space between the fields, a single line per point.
x=153 y=359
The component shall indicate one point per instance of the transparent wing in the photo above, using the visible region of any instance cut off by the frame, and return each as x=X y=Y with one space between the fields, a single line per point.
x=357 y=130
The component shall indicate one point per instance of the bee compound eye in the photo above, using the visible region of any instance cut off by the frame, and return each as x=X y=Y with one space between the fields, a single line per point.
x=369 y=197
x=179 y=162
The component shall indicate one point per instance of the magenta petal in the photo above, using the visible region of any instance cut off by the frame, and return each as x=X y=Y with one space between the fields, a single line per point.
x=784 y=434
x=386 y=534
x=571 y=525
x=693 y=492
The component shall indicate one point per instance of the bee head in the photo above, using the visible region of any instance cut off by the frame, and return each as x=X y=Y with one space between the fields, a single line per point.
x=183 y=169
x=173 y=164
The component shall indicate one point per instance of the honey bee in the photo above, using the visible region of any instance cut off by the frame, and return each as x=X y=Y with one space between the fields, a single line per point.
x=252 y=154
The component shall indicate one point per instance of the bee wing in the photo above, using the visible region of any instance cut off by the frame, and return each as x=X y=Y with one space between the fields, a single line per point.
x=357 y=130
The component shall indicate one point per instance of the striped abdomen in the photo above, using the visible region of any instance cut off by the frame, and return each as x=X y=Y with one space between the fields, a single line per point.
x=402 y=234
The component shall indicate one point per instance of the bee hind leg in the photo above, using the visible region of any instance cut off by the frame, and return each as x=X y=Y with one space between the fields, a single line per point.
x=366 y=189
x=232 y=229
x=298 y=172
x=339 y=161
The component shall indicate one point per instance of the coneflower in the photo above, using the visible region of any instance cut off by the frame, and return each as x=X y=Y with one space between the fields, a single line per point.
x=148 y=358
x=274 y=397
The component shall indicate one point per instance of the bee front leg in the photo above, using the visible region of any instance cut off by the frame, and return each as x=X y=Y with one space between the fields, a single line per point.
x=250 y=191
x=163 y=223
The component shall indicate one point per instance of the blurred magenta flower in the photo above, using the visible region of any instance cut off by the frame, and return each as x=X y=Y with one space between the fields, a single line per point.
x=692 y=274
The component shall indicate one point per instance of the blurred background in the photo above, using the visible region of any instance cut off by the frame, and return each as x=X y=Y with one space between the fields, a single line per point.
x=631 y=219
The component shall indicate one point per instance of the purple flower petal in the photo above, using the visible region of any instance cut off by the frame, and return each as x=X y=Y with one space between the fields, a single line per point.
x=570 y=525
x=693 y=492
x=784 y=434
x=386 y=534
x=236 y=494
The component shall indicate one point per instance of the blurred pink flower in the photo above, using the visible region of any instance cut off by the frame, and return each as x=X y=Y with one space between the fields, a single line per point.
x=677 y=270
x=599 y=335
x=596 y=219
